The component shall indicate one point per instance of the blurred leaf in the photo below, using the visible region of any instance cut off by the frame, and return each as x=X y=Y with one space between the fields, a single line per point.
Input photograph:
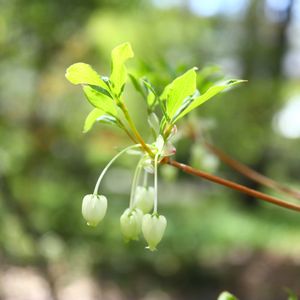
x=227 y=296
x=178 y=90
x=97 y=115
x=81 y=73
x=100 y=100
x=151 y=94
x=291 y=294
x=211 y=92
x=208 y=76
x=151 y=98
x=119 y=56
x=153 y=121
x=137 y=85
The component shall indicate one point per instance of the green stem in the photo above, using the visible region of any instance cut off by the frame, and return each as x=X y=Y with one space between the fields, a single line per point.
x=145 y=179
x=127 y=132
x=135 y=181
x=109 y=164
x=155 y=183
x=134 y=129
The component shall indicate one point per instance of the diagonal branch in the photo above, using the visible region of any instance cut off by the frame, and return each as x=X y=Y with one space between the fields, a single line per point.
x=231 y=184
x=252 y=174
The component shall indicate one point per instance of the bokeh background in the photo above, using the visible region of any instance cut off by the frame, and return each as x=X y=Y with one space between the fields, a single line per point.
x=216 y=239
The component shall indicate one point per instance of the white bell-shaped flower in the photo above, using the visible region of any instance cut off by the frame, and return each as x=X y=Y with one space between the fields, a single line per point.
x=153 y=228
x=131 y=223
x=144 y=198
x=94 y=208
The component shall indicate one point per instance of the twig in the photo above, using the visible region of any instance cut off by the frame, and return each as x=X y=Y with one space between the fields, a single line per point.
x=231 y=184
x=252 y=174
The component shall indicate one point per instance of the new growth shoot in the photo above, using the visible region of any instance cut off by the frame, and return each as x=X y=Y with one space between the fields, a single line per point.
x=178 y=99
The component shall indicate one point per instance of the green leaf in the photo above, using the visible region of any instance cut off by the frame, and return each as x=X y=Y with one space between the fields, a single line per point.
x=151 y=94
x=119 y=56
x=92 y=118
x=97 y=115
x=137 y=85
x=291 y=294
x=81 y=73
x=178 y=90
x=227 y=296
x=100 y=100
x=211 y=92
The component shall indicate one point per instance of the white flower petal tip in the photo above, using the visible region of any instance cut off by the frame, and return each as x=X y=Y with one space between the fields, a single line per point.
x=94 y=209
x=153 y=228
x=151 y=249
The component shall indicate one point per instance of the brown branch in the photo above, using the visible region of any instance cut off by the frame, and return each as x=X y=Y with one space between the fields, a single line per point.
x=231 y=184
x=252 y=174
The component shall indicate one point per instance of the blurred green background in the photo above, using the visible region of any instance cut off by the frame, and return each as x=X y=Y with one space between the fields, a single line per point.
x=216 y=239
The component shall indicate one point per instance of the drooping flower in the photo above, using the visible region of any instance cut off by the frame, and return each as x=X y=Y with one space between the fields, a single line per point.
x=144 y=198
x=131 y=223
x=153 y=228
x=94 y=208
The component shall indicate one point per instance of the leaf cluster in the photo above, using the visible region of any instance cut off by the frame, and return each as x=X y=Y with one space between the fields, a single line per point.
x=178 y=98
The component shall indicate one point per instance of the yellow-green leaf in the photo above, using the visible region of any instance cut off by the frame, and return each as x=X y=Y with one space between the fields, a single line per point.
x=92 y=118
x=177 y=91
x=100 y=100
x=97 y=115
x=211 y=92
x=119 y=56
x=81 y=73
x=227 y=296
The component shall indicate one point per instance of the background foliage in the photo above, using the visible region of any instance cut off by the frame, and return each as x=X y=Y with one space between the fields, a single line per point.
x=216 y=239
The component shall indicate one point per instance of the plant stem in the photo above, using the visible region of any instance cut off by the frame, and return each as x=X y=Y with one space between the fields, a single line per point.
x=109 y=164
x=134 y=129
x=135 y=182
x=250 y=173
x=145 y=179
x=128 y=133
x=155 y=184
x=231 y=184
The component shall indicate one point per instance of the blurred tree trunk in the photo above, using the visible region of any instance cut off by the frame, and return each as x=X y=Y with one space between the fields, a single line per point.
x=264 y=58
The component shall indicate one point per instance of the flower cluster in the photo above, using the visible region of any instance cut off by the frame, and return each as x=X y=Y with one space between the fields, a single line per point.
x=141 y=216
x=177 y=99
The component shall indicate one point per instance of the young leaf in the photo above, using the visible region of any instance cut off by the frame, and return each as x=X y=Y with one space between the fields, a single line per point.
x=81 y=73
x=151 y=99
x=226 y=296
x=178 y=90
x=137 y=85
x=100 y=100
x=92 y=118
x=119 y=56
x=97 y=115
x=154 y=123
x=151 y=94
x=211 y=92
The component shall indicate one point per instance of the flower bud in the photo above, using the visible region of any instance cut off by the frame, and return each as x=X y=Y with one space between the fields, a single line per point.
x=131 y=223
x=94 y=208
x=168 y=149
x=144 y=198
x=153 y=228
